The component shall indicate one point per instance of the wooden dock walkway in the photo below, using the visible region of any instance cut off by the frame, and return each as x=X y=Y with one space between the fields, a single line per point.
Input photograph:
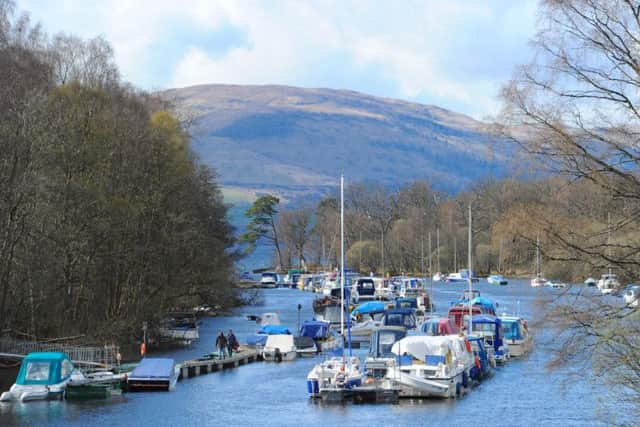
x=192 y=368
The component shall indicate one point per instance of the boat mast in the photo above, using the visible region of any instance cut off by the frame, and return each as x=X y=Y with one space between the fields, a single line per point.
x=430 y=277
x=438 y=249
x=470 y=284
x=342 y=255
x=609 y=240
x=537 y=256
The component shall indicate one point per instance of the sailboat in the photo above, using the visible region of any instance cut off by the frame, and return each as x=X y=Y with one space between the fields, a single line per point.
x=332 y=379
x=608 y=282
x=538 y=280
x=438 y=276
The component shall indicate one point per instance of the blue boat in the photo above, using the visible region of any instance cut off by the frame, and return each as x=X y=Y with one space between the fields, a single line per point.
x=403 y=317
x=482 y=364
x=489 y=328
x=153 y=374
x=42 y=375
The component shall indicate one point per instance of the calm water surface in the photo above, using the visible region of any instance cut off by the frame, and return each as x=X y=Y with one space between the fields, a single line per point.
x=522 y=392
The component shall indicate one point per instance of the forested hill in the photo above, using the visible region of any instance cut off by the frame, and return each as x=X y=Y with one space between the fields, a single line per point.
x=280 y=136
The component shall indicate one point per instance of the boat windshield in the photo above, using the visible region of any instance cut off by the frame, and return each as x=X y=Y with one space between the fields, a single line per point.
x=484 y=327
x=37 y=371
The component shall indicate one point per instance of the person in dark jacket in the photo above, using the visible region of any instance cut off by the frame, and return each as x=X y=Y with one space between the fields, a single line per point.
x=232 y=342
x=221 y=343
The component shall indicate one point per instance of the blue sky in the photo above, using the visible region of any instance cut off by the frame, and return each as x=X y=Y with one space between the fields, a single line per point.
x=451 y=53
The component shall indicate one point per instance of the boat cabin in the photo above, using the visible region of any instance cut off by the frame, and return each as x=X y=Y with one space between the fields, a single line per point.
x=459 y=312
x=439 y=326
x=44 y=368
x=403 y=317
x=489 y=328
x=365 y=287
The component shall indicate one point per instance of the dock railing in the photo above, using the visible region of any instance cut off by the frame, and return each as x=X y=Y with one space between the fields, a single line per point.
x=106 y=355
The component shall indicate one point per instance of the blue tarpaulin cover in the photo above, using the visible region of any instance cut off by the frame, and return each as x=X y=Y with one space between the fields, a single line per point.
x=485 y=318
x=485 y=303
x=274 y=330
x=151 y=367
x=257 y=339
x=314 y=329
x=368 y=307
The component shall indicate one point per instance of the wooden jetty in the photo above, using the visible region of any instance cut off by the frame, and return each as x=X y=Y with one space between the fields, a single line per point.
x=192 y=368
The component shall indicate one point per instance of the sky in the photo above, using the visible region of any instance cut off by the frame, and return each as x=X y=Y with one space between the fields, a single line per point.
x=450 y=53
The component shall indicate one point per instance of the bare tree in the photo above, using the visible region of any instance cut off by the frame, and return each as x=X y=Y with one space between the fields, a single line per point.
x=576 y=107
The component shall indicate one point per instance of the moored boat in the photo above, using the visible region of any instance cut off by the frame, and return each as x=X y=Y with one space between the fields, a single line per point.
x=516 y=335
x=608 y=283
x=279 y=348
x=42 y=375
x=153 y=374
x=497 y=279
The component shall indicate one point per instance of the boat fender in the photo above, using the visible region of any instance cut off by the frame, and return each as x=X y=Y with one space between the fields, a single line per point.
x=143 y=349
x=467 y=344
x=278 y=355
x=478 y=363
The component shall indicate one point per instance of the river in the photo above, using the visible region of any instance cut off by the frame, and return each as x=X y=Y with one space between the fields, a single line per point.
x=522 y=392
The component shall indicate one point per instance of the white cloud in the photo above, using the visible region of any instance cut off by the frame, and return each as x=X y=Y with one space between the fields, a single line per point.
x=452 y=53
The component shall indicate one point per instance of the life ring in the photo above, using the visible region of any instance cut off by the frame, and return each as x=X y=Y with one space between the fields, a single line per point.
x=143 y=349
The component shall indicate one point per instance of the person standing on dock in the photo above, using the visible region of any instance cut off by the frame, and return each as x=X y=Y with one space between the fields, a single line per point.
x=232 y=342
x=221 y=343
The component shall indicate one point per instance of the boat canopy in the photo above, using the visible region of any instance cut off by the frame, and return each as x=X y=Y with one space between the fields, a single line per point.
x=44 y=368
x=151 y=367
x=512 y=328
x=314 y=329
x=382 y=340
x=400 y=317
x=274 y=330
x=369 y=307
x=484 y=303
x=485 y=318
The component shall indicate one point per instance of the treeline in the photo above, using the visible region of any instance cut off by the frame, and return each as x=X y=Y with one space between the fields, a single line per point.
x=106 y=217
x=394 y=232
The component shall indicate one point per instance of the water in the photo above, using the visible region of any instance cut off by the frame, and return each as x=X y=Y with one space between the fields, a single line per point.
x=520 y=393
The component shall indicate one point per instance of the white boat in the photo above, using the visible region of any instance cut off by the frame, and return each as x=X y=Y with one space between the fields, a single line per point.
x=632 y=296
x=539 y=280
x=462 y=276
x=431 y=366
x=269 y=319
x=516 y=335
x=42 y=375
x=438 y=277
x=591 y=282
x=334 y=373
x=279 y=348
x=181 y=328
x=497 y=279
x=608 y=283
x=555 y=284
x=269 y=279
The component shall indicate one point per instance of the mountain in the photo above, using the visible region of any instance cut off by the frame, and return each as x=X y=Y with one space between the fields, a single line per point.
x=298 y=139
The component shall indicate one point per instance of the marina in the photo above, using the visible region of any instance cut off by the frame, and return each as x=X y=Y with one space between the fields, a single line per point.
x=261 y=390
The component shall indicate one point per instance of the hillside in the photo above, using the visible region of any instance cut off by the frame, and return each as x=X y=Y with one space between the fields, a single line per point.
x=295 y=139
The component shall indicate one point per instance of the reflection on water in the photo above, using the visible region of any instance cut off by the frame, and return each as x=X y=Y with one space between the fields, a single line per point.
x=520 y=393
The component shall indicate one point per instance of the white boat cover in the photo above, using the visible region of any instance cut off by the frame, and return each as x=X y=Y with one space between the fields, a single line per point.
x=283 y=342
x=421 y=346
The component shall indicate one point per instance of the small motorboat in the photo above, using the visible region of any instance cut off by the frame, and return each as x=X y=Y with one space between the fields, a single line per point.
x=591 y=282
x=497 y=279
x=632 y=296
x=334 y=376
x=42 y=375
x=516 y=335
x=279 y=348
